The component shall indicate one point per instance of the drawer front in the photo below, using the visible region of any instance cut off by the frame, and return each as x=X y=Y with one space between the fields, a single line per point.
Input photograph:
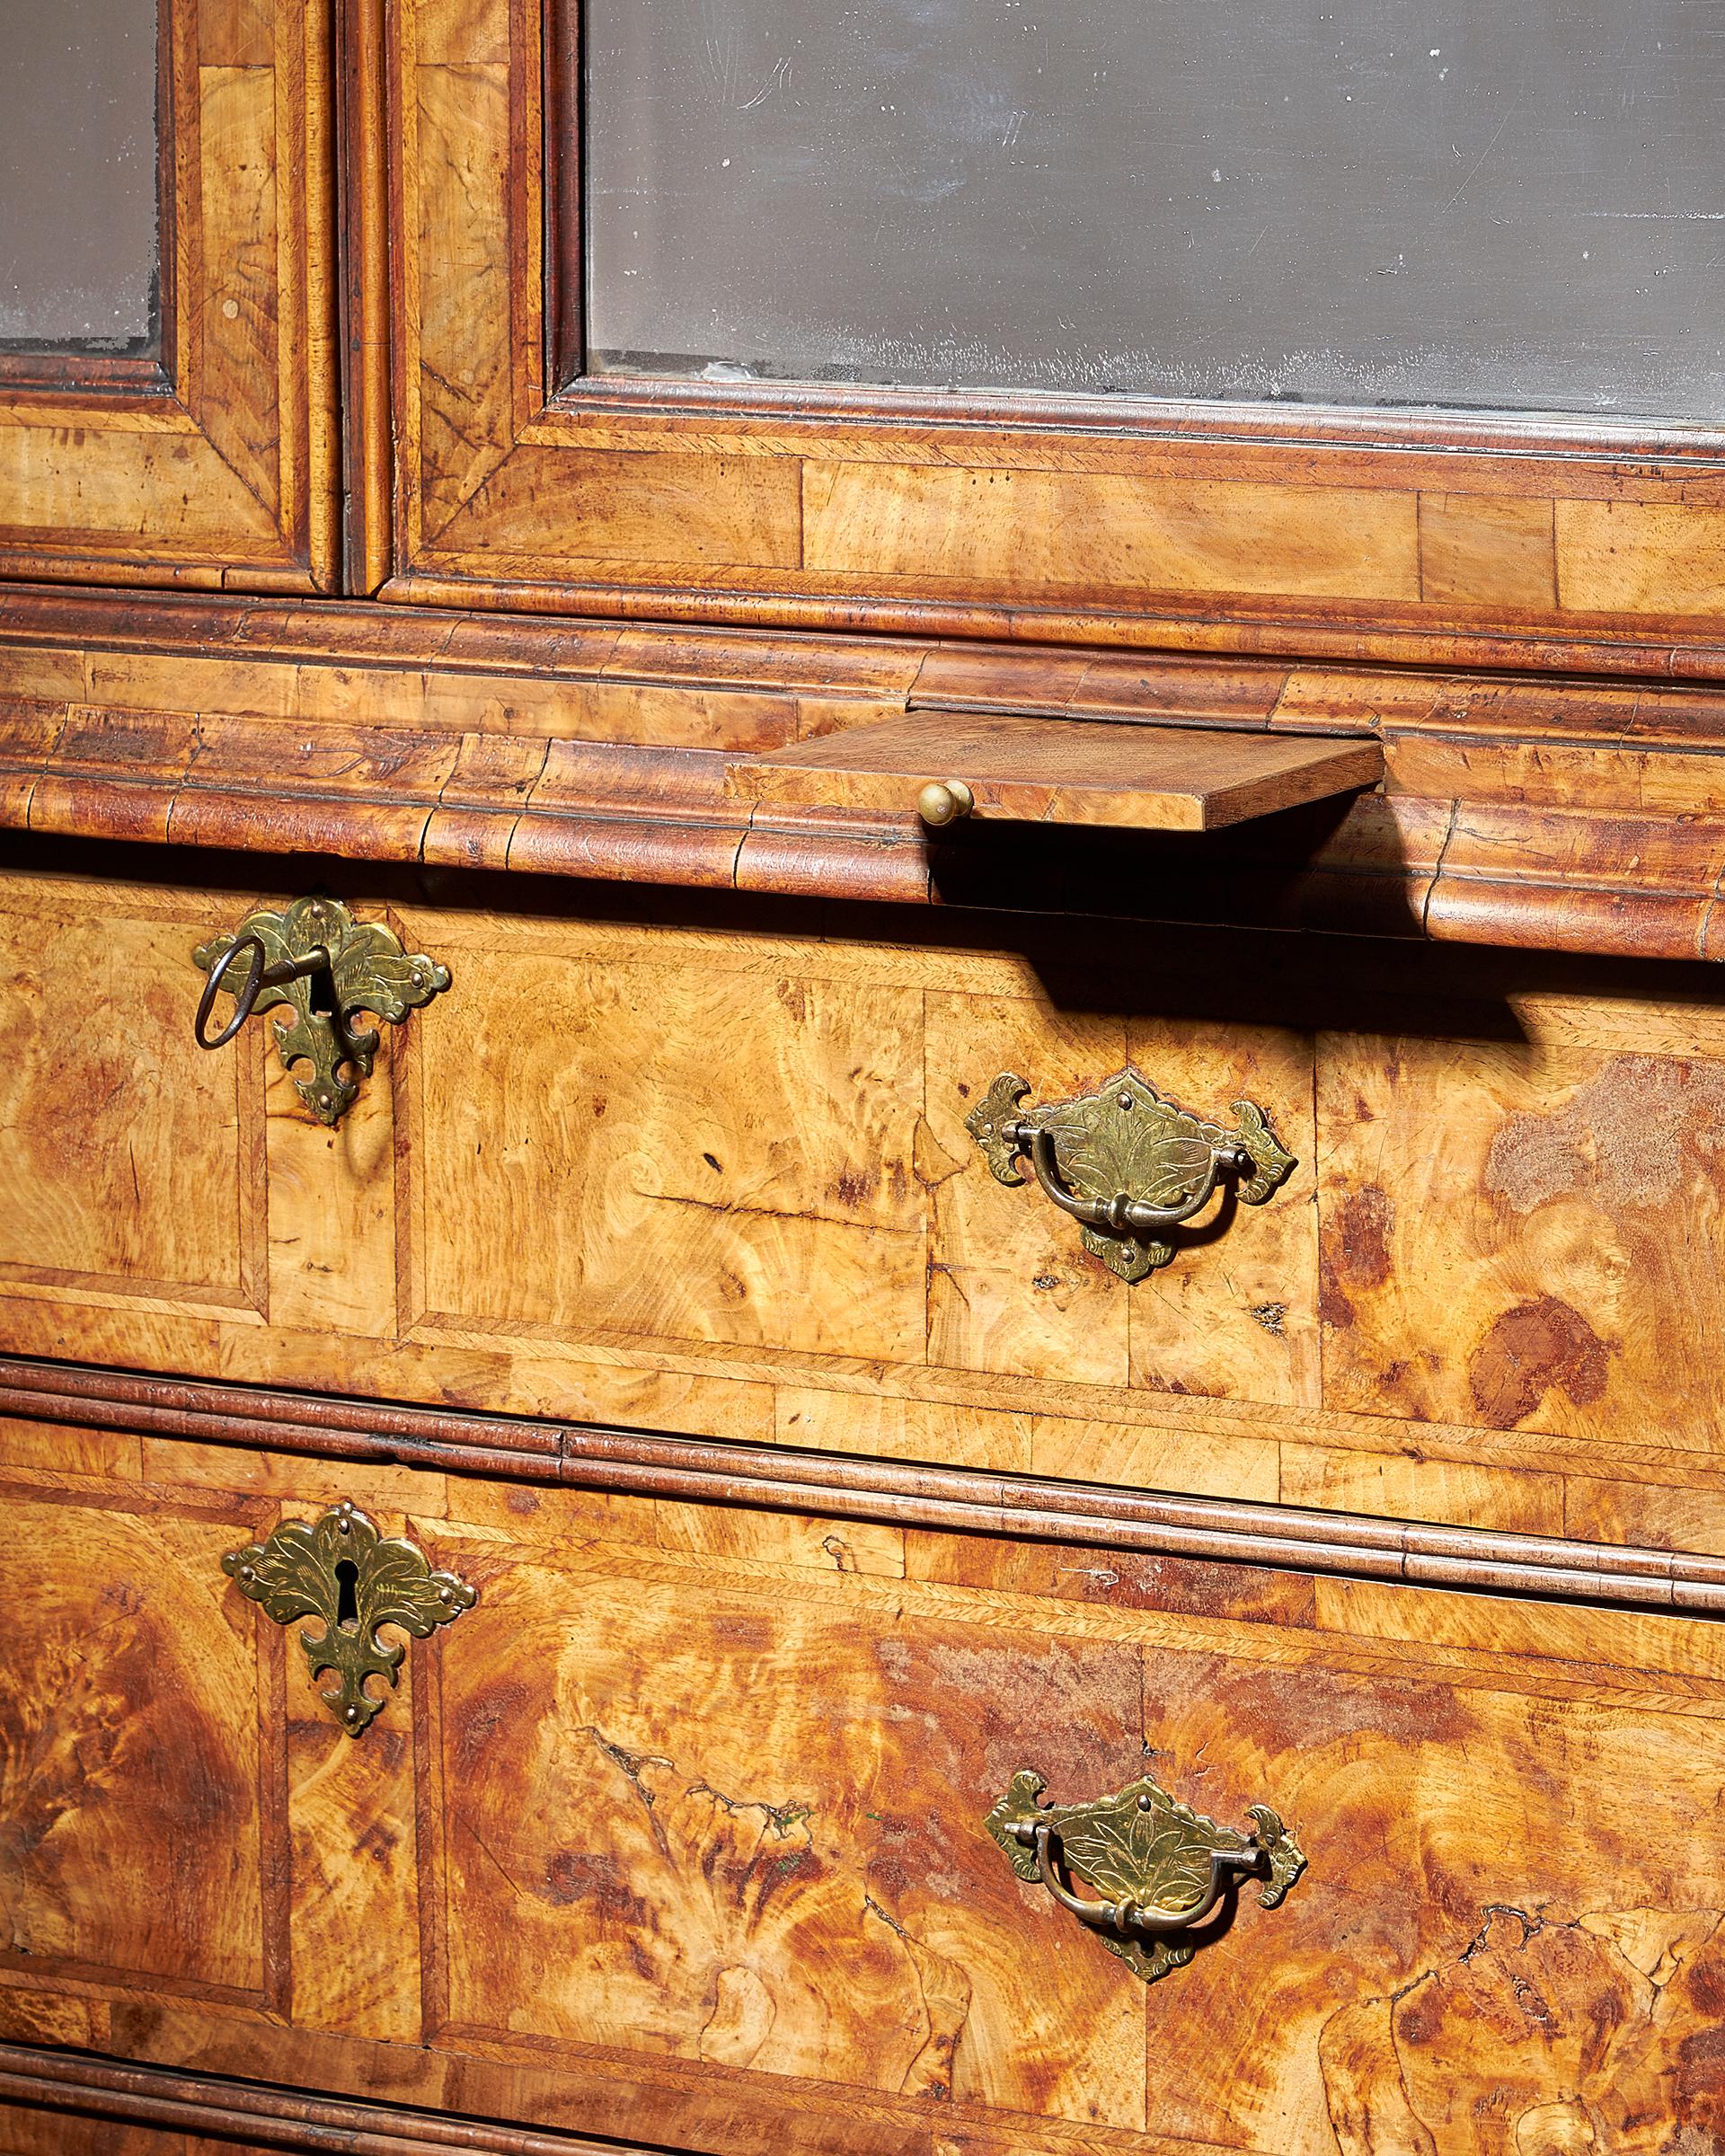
x=679 y=1829
x=714 y=1172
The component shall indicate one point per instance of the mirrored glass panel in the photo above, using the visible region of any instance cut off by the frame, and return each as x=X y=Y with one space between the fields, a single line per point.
x=1509 y=203
x=78 y=215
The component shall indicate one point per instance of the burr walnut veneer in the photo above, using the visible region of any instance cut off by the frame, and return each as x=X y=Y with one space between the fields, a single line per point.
x=702 y=1165
x=678 y=1829
x=808 y=1483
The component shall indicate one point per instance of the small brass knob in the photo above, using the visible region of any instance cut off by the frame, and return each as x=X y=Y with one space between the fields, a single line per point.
x=945 y=801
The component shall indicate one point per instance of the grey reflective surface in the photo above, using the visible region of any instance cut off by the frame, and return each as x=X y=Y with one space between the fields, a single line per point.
x=1515 y=204
x=78 y=174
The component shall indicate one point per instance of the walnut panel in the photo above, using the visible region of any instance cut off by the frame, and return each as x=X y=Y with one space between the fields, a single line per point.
x=716 y=1866
x=1478 y=548
x=129 y=1766
x=222 y=468
x=1029 y=532
x=354 y=1903
x=1524 y=1236
x=1474 y=2014
x=603 y=507
x=671 y=1149
x=1641 y=558
x=185 y=1819
x=721 y=1870
x=134 y=1166
x=240 y=319
x=789 y=1146
x=169 y=476
x=461 y=119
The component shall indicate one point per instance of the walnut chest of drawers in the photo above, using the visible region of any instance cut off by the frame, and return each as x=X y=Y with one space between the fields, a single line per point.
x=860 y=1239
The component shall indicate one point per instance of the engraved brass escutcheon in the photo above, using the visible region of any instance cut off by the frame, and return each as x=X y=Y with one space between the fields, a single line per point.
x=1126 y=1163
x=341 y=1569
x=325 y=968
x=1164 y=1866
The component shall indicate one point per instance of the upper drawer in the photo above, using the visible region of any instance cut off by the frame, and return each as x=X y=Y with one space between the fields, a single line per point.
x=715 y=1171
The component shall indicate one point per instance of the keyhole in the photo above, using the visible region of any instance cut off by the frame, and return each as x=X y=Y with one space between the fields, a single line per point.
x=320 y=992
x=347 y=1607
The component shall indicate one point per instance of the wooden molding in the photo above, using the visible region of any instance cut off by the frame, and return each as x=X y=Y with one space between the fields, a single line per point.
x=845 y=1487
x=1564 y=813
x=258 y=2116
x=362 y=239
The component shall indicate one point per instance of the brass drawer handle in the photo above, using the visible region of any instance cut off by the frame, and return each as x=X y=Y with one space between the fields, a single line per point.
x=1123 y=1214
x=325 y=968
x=1127 y=1915
x=341 y=1569
x=1124 y=1162
x=1164 y=1866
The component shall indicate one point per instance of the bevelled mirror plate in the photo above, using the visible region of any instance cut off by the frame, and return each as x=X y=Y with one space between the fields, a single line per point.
x=1501 y=203
x=79 y=236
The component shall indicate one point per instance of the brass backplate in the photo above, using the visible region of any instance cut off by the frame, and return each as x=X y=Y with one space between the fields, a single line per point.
x=341 y=1569
x=368 y=970
x=1126 y=1142
x=1142 y=1845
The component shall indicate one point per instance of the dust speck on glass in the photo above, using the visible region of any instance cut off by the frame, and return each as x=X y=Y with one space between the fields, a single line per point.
x=79 y=248
x=1502 y=204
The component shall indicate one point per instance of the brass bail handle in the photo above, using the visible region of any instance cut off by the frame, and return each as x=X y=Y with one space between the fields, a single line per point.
x=1127 y=1915
x=259 y=976
x=1122 y=1213
x=1158 y=1867
x=1125 y=1162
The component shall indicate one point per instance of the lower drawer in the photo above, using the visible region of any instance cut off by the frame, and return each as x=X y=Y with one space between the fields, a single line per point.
x=678 y=1833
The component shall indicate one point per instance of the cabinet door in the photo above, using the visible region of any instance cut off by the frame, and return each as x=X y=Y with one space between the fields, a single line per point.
x=1206 y=327
x=167 y=332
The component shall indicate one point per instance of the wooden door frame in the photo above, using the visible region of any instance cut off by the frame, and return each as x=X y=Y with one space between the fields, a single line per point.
x=1376 y=537
x=216 y=464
